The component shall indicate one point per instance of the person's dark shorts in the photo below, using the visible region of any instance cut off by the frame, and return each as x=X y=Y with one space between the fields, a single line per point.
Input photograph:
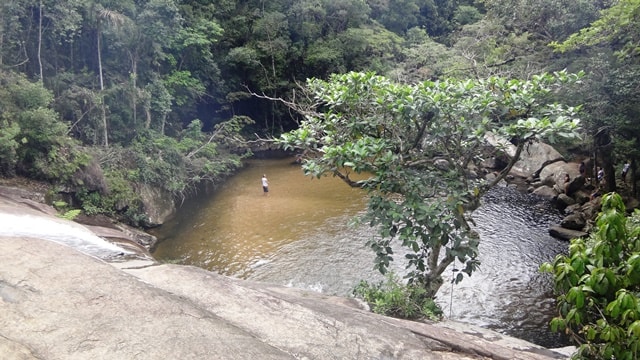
x=265 y=189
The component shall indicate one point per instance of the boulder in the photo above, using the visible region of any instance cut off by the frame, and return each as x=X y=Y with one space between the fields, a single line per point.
x=559 y=232
x=563 y=201
x=581 y=196
x=158 y=204
x=575 y=185
x=631 y=204
x=549 y=181
x=591 y=208
x=559 y=169
x=573 y=208
x=124 y=234
x=533 y=158
x=575 y=221
x=546 y=192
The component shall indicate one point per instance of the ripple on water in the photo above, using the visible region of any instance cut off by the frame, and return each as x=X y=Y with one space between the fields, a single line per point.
x=301 y=238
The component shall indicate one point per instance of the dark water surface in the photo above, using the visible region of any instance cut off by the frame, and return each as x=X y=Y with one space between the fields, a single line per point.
x=300 y=235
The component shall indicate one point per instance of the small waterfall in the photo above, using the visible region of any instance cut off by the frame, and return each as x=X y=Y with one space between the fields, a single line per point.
x=62 y=232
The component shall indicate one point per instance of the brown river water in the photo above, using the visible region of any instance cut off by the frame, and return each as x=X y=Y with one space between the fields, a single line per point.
x=302 y=234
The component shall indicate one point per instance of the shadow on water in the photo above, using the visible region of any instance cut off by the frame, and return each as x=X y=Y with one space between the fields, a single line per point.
x=300 y=235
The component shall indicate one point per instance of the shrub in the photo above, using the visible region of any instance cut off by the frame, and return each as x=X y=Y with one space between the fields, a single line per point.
x=394 y=298
x=598 y=286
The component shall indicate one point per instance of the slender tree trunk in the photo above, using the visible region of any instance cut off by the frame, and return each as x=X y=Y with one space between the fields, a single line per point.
x=40 y=39
x=134 y=98
x=147 y=112
x=1 y=46
x=102 y=105
x=134 y=85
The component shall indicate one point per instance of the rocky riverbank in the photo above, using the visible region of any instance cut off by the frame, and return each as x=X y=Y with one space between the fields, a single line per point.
x=544 y=172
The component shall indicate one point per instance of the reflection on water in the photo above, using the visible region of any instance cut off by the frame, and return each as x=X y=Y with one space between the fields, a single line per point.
x=300 y=235
x=508 y=293
x=238 y=228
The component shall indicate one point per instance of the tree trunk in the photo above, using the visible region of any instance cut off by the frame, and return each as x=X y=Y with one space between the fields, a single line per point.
x=134 y=90
x=40 y=39
x=633 y=178
x=105 y=138
x=432 y=281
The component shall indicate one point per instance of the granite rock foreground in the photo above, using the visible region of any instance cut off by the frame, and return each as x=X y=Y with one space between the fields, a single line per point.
x=59 y=303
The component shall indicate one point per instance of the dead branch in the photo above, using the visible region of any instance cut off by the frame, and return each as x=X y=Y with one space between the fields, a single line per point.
x=79 y=119
x=301 y=108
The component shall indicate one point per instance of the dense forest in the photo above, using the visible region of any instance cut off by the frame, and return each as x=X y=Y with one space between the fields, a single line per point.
x=104 y=97
x=98 y=95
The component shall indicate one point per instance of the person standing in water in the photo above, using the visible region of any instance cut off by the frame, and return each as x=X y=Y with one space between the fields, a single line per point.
x=625 y=170
x=265 y=184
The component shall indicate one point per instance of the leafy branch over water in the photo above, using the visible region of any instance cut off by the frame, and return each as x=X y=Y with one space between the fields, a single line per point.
x=420 y=146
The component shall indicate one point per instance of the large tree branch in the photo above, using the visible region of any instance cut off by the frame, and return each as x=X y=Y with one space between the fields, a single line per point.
x=417 y=143
x=512 y=162
x=346 y=179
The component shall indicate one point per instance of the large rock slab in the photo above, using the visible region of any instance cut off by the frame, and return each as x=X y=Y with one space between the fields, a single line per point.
x=61 y=304
x=57 y=303
x=158 y=204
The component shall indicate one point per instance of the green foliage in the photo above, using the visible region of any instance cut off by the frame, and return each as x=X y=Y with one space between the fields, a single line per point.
x=617 y=25
x=466 y=14
x=397 y=15
x=71 y=214
x=415 y=145
x=393 y=298
x=183 y=87
x=544 y=19
x=65 y=212
x=8 y=146
x=598 y=286
x=35 y=139
x=120 y=201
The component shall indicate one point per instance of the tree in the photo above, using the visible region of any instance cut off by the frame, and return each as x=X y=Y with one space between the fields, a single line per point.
x=544 y=19
x=35 y=141
x=397 y=15
x=613 y=45
x=117 y=20
x=598 y=286
x=618 y=25
x=417 y=147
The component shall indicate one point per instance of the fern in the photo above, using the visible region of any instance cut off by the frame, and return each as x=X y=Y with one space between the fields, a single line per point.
x=71 y=214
